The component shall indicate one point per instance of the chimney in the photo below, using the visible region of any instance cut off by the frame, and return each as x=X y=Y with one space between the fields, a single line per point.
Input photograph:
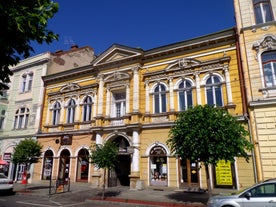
x=73 y=47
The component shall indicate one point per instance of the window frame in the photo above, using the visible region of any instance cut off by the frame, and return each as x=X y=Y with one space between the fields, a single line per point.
x=215 y=88
x=56 y=113
x=183 y=95
x=87 y=109
x=118 y=106
x=260 y=8
x=272 y=68
x=70 y=118
x=21 y=118
x=159 y=98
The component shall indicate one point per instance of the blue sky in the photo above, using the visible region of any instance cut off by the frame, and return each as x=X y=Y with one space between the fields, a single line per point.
x=146 y=23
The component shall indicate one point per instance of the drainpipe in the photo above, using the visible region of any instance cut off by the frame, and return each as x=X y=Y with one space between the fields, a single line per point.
x=245 y=101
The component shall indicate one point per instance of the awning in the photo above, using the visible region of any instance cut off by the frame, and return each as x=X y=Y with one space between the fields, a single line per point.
x=3 y=162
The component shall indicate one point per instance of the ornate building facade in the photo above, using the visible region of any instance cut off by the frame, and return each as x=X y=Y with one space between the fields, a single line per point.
x=132 y=97
x=256 y=28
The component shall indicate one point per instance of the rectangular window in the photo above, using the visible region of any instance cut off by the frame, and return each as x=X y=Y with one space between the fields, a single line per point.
x=263 y=12
x=119 y=104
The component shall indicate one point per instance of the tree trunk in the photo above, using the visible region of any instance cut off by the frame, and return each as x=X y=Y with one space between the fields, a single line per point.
x=210 y=193
x=103 y=184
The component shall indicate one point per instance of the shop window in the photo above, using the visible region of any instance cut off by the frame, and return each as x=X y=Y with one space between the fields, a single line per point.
x=158 y=167
x=214 y=91
x=262 y=11
x=224 y=175
x=185 y=95
x=83 y=165
x=64 y=166
x=47 y=165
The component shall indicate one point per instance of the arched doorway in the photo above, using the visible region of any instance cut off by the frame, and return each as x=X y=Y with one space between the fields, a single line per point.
x=120 y=175
x=158 y=166
x=83 y=166
x=47 y=165
x=64 y=165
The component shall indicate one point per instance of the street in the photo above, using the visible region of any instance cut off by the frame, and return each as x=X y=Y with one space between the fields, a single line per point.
x=16 y=200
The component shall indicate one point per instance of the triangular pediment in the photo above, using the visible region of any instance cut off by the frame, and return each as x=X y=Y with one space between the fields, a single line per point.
x=117 y=53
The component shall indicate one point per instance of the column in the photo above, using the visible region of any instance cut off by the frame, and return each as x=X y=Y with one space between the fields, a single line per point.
x=62 y=112
x=95 y=99
x=78 y=118
x=136 y=152
x=100 y=95
x=99 y=139
x=135 y=89
x=127 y=98
x=228 y=86
x=147 y=98
x=48 y=113
x=107 y=102
x=198 y=94
x=171 y=94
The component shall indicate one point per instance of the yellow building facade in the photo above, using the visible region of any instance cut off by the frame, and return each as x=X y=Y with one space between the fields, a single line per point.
x=132 y=97
x=256 y=27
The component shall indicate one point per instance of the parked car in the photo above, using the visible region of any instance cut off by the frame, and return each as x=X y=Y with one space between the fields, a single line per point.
x=6 y=184
x=259 y=195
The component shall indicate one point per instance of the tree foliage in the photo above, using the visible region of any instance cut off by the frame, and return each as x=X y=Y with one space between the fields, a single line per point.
x=27 y=152
x=22 y=22
x=209 y=134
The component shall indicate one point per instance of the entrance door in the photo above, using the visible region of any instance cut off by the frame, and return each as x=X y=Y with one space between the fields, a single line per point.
x=120 y=175
x=64 y=165
x=189 y=173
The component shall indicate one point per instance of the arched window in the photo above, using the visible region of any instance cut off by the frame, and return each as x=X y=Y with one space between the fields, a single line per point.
x=71 y=111
x=160 y=98
x=269 y=68
x=87 y=109
x=21 y=118
x=262 y=10
x=56 y=113
x=185 y=95
x=214 y=91
x=83 y=165
x=47 y=165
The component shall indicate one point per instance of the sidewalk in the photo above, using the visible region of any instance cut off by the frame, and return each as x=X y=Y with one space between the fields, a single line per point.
x=122 y=196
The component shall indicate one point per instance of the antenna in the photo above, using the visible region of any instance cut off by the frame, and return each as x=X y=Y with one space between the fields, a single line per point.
x=68 y=40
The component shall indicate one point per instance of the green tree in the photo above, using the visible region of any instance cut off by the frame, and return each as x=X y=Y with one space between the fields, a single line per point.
x=21 y=23
x=207 y=134
x=105 y=157
x=27 y=152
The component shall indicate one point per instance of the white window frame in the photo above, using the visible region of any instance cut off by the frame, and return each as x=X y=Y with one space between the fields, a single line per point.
x=272 y=69
x=118 y=104
x=161 y=96
x=56 y=113
x=261 y=7
x=214 y=87
x=26 y=82
x=71 y=111
x=21 y=118
x=185 y=90
x=87 y=108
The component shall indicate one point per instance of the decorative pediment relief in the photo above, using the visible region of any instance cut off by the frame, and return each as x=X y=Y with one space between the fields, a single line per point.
x=184 y=63
x=117 y=53
x=267 y=43
x=117 y=76
x=70 y=87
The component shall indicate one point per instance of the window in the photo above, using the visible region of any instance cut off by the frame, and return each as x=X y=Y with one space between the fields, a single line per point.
x=159 y=98
x=213 y=91
x=71 y=111
x=185 y=95
x=56 y=113
x=263 y=12
x=26 y=82
x=87 y=109
x=21 y=118
x=266 y=190
x=2 y=118
x=269 y=68
x=119 y=104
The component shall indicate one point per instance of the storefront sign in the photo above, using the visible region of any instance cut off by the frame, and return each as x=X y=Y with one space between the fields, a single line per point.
x=224 y=173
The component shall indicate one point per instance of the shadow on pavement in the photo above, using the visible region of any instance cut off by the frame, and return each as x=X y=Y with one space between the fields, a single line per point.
x=189 y=197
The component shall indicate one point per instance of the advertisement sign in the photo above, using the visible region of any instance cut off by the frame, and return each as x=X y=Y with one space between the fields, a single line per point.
x=224 y=173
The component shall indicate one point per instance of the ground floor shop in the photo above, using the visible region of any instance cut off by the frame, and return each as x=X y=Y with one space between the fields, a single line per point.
x=144 y=160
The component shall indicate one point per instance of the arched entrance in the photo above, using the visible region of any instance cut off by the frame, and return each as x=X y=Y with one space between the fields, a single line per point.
x=83 y=166
x=64 y=165
x=120 y=175
x=158 y=166
x=47 y=165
